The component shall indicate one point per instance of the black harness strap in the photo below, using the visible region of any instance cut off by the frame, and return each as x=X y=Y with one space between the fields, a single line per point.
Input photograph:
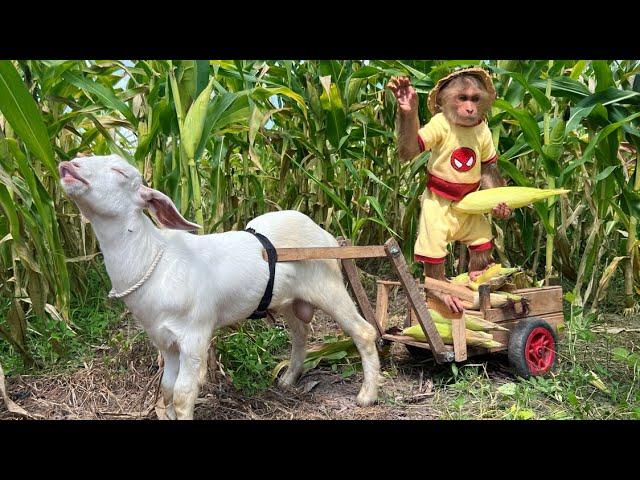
x=261 y=311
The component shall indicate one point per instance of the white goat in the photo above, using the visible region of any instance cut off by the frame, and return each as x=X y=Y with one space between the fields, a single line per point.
x=183 y=286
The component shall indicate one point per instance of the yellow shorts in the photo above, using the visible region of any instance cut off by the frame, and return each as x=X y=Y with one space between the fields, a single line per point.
x=440 y=224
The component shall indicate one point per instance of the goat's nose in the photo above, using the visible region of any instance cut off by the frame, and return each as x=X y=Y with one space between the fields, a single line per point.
x=61 y=165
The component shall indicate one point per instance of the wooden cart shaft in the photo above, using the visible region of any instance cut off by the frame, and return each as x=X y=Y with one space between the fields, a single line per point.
x=346 y=253
x=544 y=302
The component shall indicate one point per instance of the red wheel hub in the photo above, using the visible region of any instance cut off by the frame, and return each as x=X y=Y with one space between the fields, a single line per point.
x=540 y=351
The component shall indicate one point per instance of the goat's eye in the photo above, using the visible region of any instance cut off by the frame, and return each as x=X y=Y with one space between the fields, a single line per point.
x=75 y=164
x=120 y=172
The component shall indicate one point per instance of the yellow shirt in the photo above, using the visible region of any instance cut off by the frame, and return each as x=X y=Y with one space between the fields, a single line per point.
x=456 y=155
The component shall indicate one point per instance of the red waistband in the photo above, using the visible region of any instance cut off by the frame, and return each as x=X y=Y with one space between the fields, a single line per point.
x=449 y=190
x=482 y=247
x=431 y=260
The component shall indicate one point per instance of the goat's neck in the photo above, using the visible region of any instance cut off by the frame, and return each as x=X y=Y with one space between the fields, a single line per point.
x=128 y=247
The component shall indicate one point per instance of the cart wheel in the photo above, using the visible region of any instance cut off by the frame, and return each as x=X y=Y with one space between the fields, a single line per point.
x=418 y=353
x=532 y=348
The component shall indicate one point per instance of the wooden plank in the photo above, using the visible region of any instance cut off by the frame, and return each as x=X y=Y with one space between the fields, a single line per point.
x=382 y=306
x=541 y=301
x=459 y=338
x=395 y=283
x=503 y=337
x=358 y=290
x=484 y=292
x=457 y=327
x=463 y=293
x=416 y=301
x=412 y=318
x=327 y=253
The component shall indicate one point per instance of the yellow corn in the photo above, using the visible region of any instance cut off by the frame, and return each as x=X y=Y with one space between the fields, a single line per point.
x=444 y=330
x=489 y=273
x=477 y=324
x=461 y=279
x=483 y=201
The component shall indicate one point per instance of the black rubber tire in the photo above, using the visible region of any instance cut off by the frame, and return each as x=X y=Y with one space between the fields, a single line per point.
x=518 y=340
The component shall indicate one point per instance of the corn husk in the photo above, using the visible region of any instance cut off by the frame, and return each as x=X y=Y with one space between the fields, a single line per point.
x=477 y=324
x=480 y=339
x=484 y=201
x=498 y=275
x=488 y=274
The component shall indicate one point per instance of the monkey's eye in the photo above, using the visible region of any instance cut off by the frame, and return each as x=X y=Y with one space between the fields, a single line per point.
x=462 y=98
x=475 y=98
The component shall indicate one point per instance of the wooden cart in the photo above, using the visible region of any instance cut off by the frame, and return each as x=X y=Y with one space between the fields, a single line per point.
x=532 y=333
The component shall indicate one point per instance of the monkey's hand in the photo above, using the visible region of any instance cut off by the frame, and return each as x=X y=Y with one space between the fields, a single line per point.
x=405 y=94
x=501 y=211
x=454 y=303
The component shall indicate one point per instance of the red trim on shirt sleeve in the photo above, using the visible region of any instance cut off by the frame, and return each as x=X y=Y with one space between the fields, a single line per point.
x=482 y=247
x=431 y=260
x=493 y=159
x=421 y=143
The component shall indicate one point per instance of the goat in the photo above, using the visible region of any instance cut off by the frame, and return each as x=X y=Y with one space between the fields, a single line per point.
x=189 y=285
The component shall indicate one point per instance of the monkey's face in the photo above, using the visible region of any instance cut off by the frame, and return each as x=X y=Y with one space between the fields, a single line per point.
x=466 y=105
x=464 y=102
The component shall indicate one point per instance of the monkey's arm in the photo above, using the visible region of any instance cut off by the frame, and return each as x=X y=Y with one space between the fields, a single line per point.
x=407 y=125
x=490 y=176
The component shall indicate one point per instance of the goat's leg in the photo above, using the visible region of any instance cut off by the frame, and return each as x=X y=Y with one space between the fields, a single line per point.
x=299 y=332
x=193 y=355
x=337 y=303
x=169 y=375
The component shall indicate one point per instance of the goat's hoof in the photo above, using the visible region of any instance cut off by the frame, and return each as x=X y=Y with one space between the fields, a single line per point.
x=366 y=399
x=287 y=382
x=170 y=413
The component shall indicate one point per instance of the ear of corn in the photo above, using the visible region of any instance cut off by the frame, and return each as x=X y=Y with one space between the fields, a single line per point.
x=483 y=201
x=480 y=339
x=480 y=324
x=497 y=299
x=488 y=274
x=461 y=279
x=472 y=322
x=495 y=276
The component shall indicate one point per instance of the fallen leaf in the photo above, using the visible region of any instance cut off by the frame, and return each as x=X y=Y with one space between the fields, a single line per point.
x=310 y=386
x=508 y=389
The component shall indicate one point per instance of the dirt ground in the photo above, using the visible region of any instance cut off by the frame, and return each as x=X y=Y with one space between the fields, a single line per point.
x=126 y=385
x=96 y=392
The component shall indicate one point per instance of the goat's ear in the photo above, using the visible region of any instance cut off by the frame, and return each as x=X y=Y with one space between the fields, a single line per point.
x=164 y=209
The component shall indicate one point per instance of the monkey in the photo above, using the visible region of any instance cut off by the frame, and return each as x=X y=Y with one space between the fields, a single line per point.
x=463 y=159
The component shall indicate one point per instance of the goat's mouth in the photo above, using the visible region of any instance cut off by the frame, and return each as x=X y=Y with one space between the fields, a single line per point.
x=69 y=175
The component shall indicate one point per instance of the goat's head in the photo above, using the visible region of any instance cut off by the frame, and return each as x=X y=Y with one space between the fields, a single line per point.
x=109 y=187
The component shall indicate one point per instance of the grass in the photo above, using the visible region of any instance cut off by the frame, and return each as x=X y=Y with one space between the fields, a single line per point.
x=56 y=345
x=103 y=328
x=250 y=353
x=596 y=377
x=593 y=385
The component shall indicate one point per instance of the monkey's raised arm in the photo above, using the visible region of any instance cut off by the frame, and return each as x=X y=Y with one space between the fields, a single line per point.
x=407 y=126
x=407 y=122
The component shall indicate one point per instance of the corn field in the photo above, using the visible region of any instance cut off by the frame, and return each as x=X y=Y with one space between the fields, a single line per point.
x=229 y=140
